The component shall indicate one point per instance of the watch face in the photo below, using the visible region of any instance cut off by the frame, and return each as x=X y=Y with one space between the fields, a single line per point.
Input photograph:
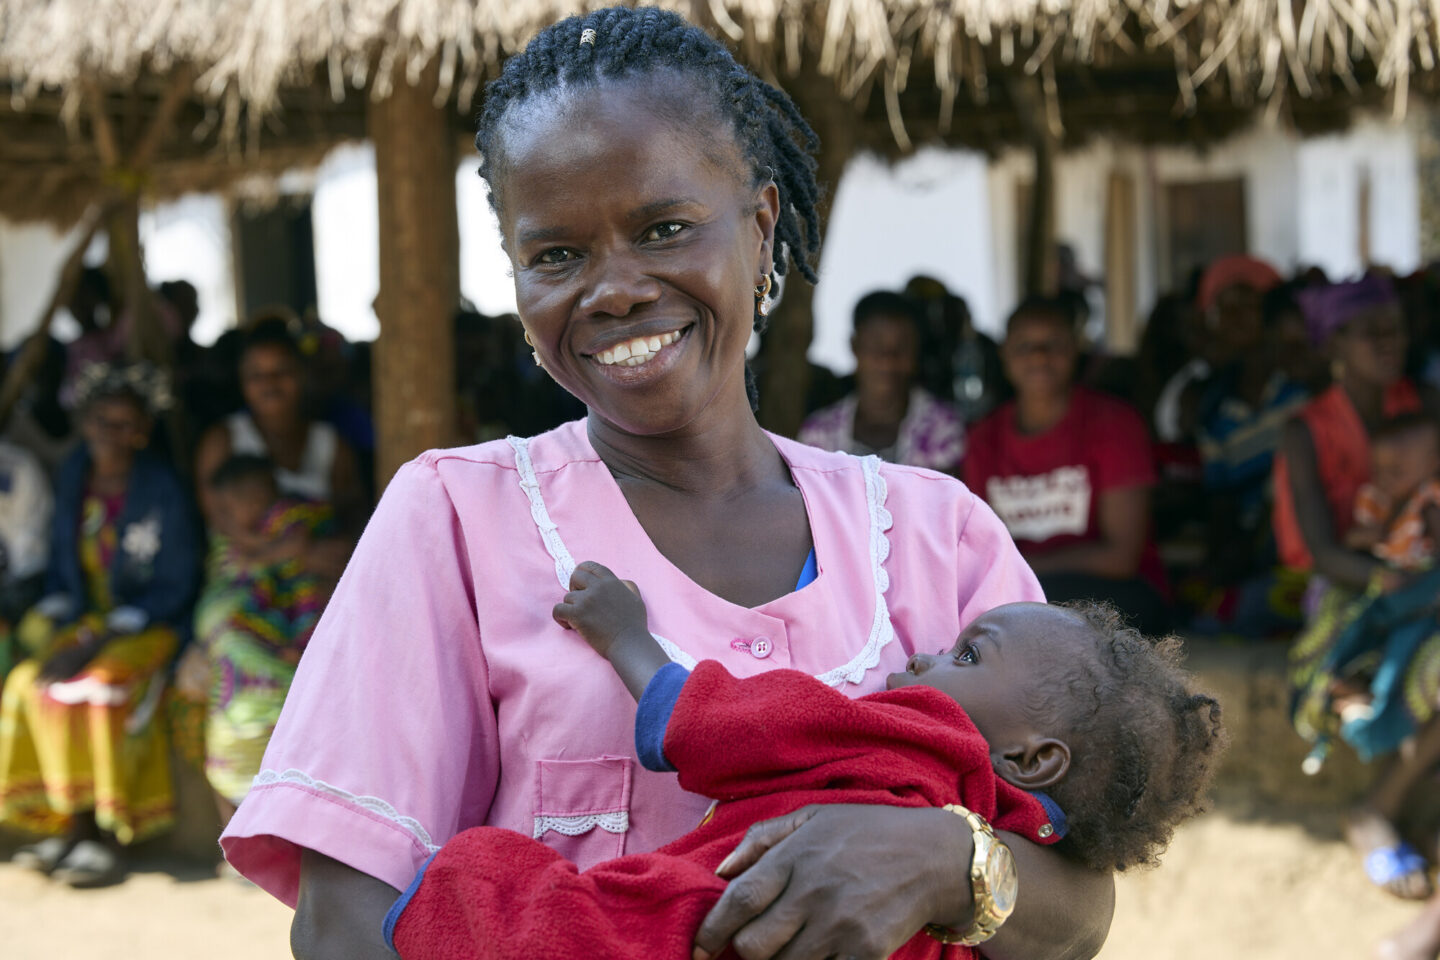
x=1001 y=877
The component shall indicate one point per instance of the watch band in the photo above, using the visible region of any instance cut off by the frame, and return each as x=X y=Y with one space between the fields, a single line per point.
x=988 y=917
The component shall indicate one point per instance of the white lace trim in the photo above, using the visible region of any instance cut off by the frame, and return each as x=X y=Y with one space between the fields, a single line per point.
x=881 y=630
x=550 y=534
x=370 y=804
x=876 y=491
x=617 y=821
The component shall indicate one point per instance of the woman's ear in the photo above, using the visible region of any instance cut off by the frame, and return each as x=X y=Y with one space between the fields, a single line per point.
x=1035 y=764
x=767 y=215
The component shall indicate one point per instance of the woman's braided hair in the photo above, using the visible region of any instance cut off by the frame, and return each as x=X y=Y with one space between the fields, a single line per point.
x=620 y=42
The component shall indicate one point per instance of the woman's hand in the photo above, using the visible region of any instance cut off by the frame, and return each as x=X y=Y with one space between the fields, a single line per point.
x=842 y=880
x=192 y=676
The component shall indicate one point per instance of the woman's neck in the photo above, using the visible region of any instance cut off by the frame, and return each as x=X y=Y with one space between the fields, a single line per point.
x=881 y=409
x=110 y=478
x=1368 y=399
x=1037 y=414
x=709 y=460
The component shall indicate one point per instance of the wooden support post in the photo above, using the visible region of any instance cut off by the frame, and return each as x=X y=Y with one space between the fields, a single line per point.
x=1040 y=273
x=1121 y=268
x=415 y=166
x=785 y=373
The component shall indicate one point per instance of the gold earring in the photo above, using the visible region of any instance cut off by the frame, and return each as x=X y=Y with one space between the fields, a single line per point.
x=763 y=302
x=534 y=354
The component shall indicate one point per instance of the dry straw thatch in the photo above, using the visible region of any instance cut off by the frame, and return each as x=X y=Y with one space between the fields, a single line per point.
x=248 y=50
x=283 y=71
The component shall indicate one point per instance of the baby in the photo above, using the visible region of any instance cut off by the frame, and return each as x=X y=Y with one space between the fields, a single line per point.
x=265 y=536
x=1397 y=514
x=1075 y=730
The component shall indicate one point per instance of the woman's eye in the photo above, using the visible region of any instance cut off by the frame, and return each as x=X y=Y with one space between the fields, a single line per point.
x=664 y=231
x=967 y=654
x=556 y=255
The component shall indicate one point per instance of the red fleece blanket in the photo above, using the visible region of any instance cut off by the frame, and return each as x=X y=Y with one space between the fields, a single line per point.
x=762 y=747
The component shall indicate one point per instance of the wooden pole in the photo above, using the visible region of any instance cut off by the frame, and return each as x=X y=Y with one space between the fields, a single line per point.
x=1039 y=274
x=415 y=166
x=1121 y=267
x=785 y=370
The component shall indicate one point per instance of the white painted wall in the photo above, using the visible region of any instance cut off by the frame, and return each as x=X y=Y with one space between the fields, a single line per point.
x=949 y=214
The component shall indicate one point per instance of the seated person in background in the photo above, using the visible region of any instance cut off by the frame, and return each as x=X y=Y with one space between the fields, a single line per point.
x=1397 y=514
x=26 y=505
x=82 y=755
x=1029 y=698
x=888 y=415
x=1069 y=471
x=248 y=647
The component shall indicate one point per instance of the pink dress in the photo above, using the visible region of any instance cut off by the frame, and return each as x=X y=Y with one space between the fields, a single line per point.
x=437 y=693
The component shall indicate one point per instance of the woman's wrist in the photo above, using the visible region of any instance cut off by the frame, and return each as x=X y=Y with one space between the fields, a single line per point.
x=954 y=906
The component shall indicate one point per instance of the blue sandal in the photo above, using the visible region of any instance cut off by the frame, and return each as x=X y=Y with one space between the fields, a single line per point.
x=1385 y=865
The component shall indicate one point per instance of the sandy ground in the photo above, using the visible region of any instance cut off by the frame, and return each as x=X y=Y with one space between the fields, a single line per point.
x=1228 y=888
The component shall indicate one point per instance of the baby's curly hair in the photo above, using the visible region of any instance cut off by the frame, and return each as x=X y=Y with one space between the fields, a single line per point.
x=1144 y=745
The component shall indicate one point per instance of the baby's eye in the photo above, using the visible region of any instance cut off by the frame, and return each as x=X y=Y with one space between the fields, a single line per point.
x=664 y=231
x=556 y=255
x=967 y=654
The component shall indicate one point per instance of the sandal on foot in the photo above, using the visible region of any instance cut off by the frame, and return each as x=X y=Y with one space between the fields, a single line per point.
x=43 y=856
x=90 y=864
x=1385 y=865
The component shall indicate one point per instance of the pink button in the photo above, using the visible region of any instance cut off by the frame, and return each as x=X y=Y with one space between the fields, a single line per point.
x=760 y=648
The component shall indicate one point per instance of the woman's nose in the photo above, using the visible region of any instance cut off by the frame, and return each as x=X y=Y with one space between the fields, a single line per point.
x=617 y=286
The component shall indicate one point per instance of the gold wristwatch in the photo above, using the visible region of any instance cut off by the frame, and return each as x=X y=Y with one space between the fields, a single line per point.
x=992 y=879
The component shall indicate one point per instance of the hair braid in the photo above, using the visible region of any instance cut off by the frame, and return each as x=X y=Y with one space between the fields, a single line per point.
x=774 y=139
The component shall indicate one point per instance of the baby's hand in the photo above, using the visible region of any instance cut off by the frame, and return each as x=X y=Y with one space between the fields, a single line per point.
x=602 y=608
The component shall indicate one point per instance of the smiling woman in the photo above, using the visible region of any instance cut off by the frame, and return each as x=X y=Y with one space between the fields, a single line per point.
x=648 y=190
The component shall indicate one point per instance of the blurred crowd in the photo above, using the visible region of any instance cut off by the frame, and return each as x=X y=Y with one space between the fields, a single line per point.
x=1265 y=466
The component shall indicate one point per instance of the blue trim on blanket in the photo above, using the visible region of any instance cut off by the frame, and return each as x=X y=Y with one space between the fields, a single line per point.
x=652 y=716
x=1053 y=811
x=392 y=917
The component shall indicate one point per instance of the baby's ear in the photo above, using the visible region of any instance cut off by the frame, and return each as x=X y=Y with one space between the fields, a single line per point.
x=1033 y=764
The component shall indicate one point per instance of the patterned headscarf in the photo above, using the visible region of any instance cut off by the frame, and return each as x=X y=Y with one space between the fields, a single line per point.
x=144 y=381
x=1327 y=309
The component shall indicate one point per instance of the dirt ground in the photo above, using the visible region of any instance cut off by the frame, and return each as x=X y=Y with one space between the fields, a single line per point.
x=1228 y=888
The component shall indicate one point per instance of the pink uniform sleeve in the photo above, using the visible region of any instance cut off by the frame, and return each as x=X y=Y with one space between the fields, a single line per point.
x=991 y=570
x=387 y=744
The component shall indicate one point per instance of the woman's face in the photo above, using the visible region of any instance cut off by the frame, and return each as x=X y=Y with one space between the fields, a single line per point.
x=270 y=381
x=1371 y=347
x=114 y=429
x=637 y=242
x=1040 y=352
x=886 y=352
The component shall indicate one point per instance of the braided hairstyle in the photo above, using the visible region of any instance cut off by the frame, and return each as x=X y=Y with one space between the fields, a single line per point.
x=622 y=43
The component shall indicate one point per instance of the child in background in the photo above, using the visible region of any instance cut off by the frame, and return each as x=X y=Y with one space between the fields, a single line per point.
x=1397 y=514
x=245 y=657
x=1075 y=729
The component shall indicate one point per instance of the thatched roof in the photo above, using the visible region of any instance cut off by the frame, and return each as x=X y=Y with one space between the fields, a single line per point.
x=283 y=73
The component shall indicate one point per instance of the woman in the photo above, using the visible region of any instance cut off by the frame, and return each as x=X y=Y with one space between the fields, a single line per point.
x=1070 y=473
x=439 y=693
x=82 y=754
x=311 y=460
x=888 y=415
x=1324 y=460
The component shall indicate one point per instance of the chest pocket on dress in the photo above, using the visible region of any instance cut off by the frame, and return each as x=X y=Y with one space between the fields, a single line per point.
x=582 y=807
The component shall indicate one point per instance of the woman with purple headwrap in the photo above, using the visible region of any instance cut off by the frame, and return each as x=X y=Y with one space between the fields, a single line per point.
x=1324 y=460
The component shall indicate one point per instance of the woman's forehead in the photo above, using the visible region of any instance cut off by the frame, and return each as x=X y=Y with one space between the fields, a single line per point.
x=621 y=126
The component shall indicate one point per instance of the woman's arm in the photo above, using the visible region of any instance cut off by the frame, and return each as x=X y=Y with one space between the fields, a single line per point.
x=861 y=880
x=1312 y=512
x=340 y=912
x=1123 y=521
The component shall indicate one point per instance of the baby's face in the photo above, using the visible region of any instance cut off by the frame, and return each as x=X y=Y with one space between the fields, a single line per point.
x=1401 y=464
x=242 y=509
x=1001 y=668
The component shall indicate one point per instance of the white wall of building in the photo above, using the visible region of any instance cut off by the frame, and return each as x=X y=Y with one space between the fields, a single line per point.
x=950 y=214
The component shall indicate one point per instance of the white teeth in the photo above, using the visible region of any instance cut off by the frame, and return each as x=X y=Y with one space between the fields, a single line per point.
x=635 y=352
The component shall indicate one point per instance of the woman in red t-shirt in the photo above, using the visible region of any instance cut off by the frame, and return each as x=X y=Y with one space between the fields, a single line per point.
x=1070 y=471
